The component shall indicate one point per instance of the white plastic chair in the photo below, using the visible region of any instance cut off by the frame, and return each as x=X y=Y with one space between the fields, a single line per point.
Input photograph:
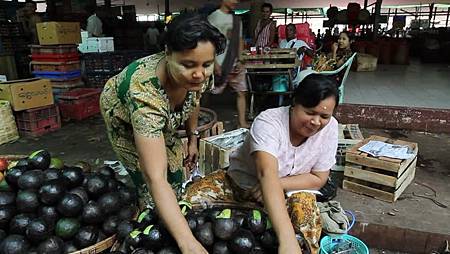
x=345 y=66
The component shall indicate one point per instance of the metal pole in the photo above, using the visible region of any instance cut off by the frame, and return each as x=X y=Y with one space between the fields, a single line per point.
x=448 y=14
x=434 y=16
x=377 y=18
x=166 y=9
x=285 y=16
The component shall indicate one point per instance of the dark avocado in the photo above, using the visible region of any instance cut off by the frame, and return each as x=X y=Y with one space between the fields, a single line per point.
x=256 y=222
x=96 y=185
x=201 y=219
x=124 y=229
x=134 y=239
x=110 y=225
x=152 y=238
x=92 y=213
x=66 y=228
x=53 y=245
x=70 y=205
x=49 y=214
x=69 y=247
x=169 y=250
x=128 y=212
x=127 y=194
x=86 y=236
x=242 y=241
x=40 y=159
x=74 y=176
x=32 y=179
x=192 y=222
x=6 y=214
x=13 y=174
x=37 y=230
x=269 y=241
x=56 y=163
x=7 y=198
x=14 y=244
x=109 y=202
x=224 y=226
x=107 y=171
x=220 y=248
x=145 y=218
x=81 y=192
x=27 y=201
x=211 y=214
x=19 y=223
x=205 y=234
x=2 y=235
x=113 y=185
x=142 y=251
x=52 y=174
x=24 y=163
x=51 y=192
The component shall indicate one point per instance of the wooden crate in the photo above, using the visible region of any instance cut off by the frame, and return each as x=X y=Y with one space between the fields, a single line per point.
x=379 y=177
x=349 y=135
x=213 y=156
x=277 y=58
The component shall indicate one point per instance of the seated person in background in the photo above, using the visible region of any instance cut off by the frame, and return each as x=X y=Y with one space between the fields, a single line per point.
x=302 y=47
x=340 y=53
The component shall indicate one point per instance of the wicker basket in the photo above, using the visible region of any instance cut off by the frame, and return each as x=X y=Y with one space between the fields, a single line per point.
x=98 y=247
x=8 y=128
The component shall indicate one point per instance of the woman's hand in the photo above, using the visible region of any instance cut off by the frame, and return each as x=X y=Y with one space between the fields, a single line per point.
x=192 y=155
x=334 y=47
x=289 y=248
x=192 y=246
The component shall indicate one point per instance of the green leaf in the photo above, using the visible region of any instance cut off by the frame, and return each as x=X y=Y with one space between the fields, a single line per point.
x=257 y=215
x=143 y=215
x=185 y=203
x=225 y=214
x=268 y=224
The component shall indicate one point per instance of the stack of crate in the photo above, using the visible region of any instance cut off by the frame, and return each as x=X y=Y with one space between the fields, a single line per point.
x=60 y=64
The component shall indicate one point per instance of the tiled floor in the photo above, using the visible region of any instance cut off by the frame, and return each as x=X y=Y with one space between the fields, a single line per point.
x=414 y=85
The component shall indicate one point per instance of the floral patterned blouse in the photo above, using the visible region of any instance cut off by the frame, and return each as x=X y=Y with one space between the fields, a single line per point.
x=134 y=101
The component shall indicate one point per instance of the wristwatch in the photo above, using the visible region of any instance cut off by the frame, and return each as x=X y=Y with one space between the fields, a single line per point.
x=193 y=133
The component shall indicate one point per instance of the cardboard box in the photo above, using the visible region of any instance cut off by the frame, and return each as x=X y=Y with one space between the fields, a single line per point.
x=97 y=44
x=52 y=33
x=366 y=62
x=27 y=93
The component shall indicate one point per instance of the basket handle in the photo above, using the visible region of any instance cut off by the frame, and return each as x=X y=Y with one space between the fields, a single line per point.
x=352 y=223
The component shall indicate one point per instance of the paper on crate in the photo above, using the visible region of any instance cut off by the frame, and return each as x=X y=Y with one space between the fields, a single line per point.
x=382 y=149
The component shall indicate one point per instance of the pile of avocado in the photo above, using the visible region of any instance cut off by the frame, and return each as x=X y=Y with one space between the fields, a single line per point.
x=46 y=207
x=220 y=231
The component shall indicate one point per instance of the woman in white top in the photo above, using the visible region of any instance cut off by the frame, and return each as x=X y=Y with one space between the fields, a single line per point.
x=288 y=149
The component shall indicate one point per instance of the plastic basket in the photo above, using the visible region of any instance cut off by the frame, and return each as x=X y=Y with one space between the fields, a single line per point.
x=38 y=121
x=79 y=103
x=343 y=243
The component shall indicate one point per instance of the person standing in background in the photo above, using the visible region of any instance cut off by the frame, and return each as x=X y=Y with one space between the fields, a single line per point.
x=265 y=28
x=151 y=38
x=227 y=68
x=30 y=20
x=94 y=24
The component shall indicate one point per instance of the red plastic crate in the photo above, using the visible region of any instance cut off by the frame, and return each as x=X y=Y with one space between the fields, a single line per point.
x=38 y=121
x=79 y=103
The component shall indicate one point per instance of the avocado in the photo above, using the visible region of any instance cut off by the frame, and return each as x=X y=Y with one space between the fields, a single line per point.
x=134 y=238
x=49 y=214
x=201 y=219
x=128 y=194
x=242 y=241
x=110 y=225
x=256 y=222
x=109 y=202
x=220 y=248
x=7 y=198
x=56 y=163
x=19 y=223
x=211 y=214
x=27 y=201
x=66 y=228
x=14 y=244
x=51 y=192
x=96 y=185
x=24 y=163
x=113 y=185
x=142 y=251
x=2 y=235
x=145 y=218
x=224 y=226
x=69 y=247
x=74 y=176
x=80 y=192
x=152 y=238
x=128 y=212
x=37 y=230
x=169 y=250
x=205 y=234
x=4 y=186
x=7 y=212
x=92 y=214
x=86 y=236
x=32 y=179
x=269 y=241
x=13 y=174
x=192 y=222
x=85 y=166
x=52 y=245
x=70 y=205
x=40 y=159
x=107 y=171
x=123 y=229
x=52 y=174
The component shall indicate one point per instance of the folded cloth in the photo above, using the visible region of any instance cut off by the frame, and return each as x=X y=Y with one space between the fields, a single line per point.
x=334 y=219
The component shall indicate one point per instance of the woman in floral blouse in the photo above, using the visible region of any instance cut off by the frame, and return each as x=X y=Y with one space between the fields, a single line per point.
x=144 y=105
